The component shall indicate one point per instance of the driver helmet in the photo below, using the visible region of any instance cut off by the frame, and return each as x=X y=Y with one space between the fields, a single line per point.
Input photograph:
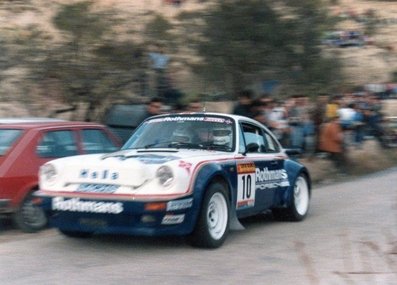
x=222 y=136
x=181 y=135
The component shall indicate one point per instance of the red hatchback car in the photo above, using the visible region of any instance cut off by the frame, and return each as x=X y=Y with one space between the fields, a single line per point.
x=27 y=144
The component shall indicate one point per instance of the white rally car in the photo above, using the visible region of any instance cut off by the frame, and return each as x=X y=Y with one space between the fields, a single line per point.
x=193 y=174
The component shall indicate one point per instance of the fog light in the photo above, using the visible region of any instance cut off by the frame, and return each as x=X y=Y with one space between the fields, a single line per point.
x=148 y=219
x=173 y=219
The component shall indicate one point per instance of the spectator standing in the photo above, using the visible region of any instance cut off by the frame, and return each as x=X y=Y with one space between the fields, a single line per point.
x=266 y=107
x=179 y=108
x=358 y=126
x=332 y=108
x=195 y=106
x=279 y=122
x=318 y=117
x=295 y=121
x=331 y=142
x=258 y=111
x=309 y=143
x=243 y=106
x=153 y=107
x=346 y=117
x=373 y=116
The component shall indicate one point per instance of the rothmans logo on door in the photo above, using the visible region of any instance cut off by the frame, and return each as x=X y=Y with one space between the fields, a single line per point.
x=103 y=174
x=266 y=178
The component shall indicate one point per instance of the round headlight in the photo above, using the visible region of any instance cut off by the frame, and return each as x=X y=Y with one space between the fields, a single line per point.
x=48 y=173
x=165 y=175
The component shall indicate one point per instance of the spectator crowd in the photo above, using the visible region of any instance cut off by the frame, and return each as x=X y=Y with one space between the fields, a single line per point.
x=327 y=126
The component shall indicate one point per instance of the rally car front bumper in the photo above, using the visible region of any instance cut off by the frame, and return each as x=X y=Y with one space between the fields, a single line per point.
x=174 y=217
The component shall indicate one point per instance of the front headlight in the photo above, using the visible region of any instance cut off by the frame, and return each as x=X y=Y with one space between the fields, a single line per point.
x=165 y=175
x=48 y=173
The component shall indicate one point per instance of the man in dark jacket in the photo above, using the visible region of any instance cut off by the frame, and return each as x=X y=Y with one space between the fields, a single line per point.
x=153 y=107
x=244 y=104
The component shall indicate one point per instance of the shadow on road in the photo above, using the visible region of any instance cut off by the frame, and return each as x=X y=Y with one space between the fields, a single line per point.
x=5 y=224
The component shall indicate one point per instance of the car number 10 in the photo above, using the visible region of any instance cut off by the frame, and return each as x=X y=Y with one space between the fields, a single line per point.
x=245 y=190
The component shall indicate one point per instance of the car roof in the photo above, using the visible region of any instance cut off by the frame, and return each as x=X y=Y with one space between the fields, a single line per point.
x=12 y=120
x=232 y=116
x=30 y=123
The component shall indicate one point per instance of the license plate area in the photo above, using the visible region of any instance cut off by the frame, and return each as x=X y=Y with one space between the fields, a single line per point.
x=97 y=188
x=93 y=223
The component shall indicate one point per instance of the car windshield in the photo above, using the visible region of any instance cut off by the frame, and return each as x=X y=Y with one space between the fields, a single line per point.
x=184 y=131
x=7 y=138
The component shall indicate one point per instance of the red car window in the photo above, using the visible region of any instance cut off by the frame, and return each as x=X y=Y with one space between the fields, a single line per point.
x=7 y=138
x=57 y=144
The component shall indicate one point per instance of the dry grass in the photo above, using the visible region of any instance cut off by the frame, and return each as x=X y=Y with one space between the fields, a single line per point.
x=370 y=158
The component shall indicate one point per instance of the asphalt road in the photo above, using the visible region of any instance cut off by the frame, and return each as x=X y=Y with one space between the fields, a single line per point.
x=350 y=237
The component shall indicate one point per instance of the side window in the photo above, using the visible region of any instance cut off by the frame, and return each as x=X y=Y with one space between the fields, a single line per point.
x=7 y=138
x=241 y=147
x=254 y=141
x=257 y=140
x=272 y=145
x=97 y=141
x=57 y=144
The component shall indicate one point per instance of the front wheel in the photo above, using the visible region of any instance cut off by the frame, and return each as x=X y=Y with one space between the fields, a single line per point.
x=30 y=217
x=299 y=202
x=212 y=226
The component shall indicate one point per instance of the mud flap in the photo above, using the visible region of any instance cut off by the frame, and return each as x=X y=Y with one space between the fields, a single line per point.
x=235 y=224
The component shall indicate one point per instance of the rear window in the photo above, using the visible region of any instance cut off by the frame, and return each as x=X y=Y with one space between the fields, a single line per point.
x=7 y=139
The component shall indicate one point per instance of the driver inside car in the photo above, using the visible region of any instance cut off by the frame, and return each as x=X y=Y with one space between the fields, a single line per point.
x=204 y=136
x=222 y=136
x=181 y=135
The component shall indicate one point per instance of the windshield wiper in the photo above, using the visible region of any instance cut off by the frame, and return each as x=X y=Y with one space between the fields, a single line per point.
x=212 y=146
x=167 y=144
x=188 y=145
x=185 y=145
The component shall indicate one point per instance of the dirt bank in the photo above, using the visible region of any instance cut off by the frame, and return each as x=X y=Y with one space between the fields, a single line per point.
x=370 y=158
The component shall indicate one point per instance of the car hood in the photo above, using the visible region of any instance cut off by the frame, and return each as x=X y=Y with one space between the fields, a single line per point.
x=129 y=172
x=142 y=158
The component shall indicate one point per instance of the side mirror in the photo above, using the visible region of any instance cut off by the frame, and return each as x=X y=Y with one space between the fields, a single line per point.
x=252 y=147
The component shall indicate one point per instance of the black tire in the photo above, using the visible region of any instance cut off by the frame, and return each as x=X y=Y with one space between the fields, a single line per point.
x=76 y=234
x=29 y=217
x=212 y=226
x=299 y=202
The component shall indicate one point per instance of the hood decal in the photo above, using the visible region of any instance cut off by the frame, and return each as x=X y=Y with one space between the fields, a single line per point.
x=155 y=159
x=185 y=165
x=144 y=158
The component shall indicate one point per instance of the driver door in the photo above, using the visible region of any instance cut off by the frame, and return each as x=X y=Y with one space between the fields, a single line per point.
x=266 y=176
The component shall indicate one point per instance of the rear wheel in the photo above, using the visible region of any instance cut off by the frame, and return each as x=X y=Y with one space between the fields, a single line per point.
x=299 y=203
x=29 y=217
x=212 y=226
